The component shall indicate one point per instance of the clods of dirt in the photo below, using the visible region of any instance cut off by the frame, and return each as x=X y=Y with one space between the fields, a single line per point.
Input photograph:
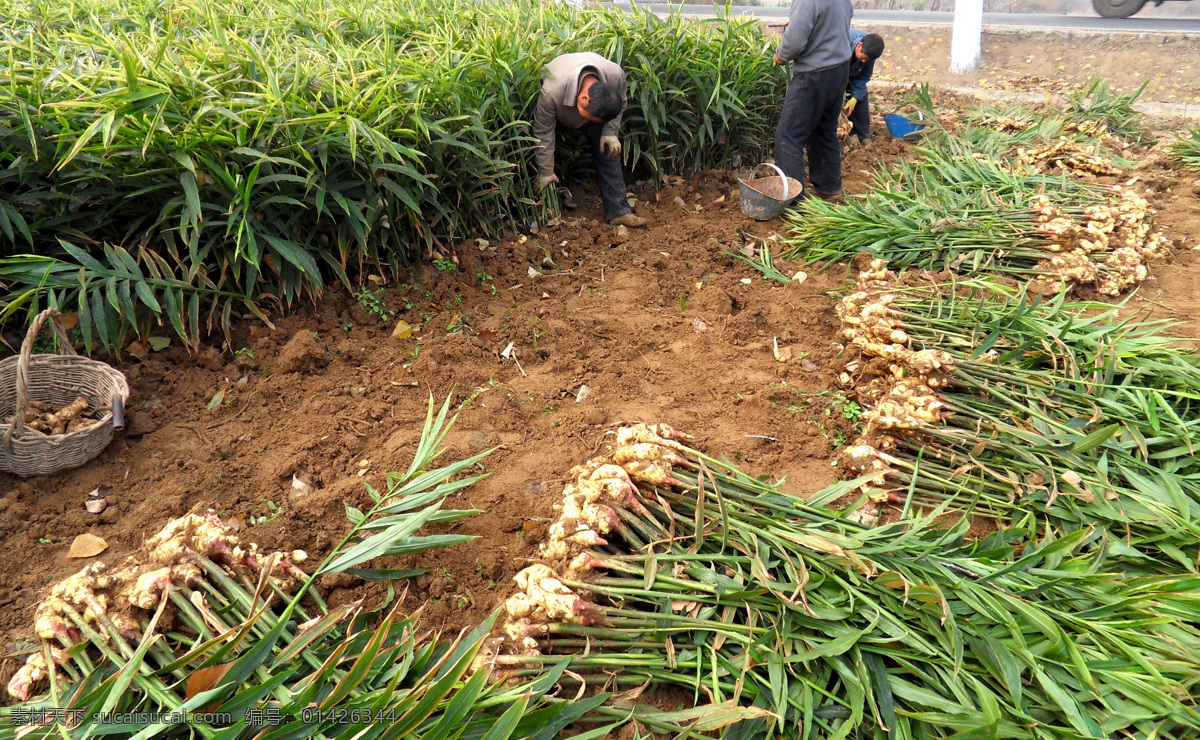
x=302 y=354
x=327 y=396
x=331 y=398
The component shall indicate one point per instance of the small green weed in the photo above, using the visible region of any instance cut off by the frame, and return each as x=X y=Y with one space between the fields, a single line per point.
x=373 y=303
x=851 y=410
x=406 y=288
x=476 y=393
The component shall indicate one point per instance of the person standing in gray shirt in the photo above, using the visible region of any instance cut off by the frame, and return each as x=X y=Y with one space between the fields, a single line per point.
x=816 y=42
x=586 y=91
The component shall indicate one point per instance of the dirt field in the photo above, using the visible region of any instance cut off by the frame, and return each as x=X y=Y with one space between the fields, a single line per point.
x=659 y=325
x=329 y=394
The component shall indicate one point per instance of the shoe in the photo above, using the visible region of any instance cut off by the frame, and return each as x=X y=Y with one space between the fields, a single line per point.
x=629 y=219
x=567 y=200
x=834 y=197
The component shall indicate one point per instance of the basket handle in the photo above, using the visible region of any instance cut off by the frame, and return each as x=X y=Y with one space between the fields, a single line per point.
x=65 y=347
x=781 y=177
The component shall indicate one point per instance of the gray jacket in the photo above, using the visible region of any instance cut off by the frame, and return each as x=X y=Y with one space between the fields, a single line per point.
x=817 y=34
x=556 y=104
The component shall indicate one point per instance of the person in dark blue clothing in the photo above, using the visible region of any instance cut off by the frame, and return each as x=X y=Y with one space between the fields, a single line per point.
x=866 y=48
x=814 y=44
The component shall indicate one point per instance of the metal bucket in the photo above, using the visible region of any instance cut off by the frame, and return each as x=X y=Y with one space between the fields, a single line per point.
x=764 y=198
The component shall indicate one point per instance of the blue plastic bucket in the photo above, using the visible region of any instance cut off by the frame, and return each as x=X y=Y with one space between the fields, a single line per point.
x=900 y=127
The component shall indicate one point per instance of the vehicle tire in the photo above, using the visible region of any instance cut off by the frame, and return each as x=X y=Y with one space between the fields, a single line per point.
x=1117 y=8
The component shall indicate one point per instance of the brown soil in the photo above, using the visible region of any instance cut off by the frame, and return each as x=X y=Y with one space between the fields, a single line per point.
x=1173 y=290
x=658 y=324
x=659 y=328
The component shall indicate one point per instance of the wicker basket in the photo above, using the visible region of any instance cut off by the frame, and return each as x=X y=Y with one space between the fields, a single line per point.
x=58 y=380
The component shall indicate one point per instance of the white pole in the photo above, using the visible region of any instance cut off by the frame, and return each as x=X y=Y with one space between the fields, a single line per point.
x=966 y=45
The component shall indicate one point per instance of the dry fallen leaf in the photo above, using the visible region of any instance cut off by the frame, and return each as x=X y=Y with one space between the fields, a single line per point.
x=533 y=273
x=87 y=546
x=508 y=351
x=402 y=330
x=206 y=679
x=698 y=325
x=68 y=321
x=808 y=366
x=799 y=277
x=138 y=350
x=300 y=489
x=1072 y=477
x=746 y=281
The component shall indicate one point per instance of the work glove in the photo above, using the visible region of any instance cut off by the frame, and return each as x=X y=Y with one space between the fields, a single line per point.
x=610 y=146
x=547 y=180
x=848 y=108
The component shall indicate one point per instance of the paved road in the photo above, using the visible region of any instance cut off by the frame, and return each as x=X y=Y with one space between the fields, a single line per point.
x=1136 y=24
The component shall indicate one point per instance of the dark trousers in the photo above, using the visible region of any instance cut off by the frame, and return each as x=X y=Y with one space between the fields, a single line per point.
x=809 y=121
x=860 y=117
x=609 y=177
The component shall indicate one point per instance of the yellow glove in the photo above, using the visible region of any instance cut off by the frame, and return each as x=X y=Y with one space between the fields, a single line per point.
x=848 y=108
